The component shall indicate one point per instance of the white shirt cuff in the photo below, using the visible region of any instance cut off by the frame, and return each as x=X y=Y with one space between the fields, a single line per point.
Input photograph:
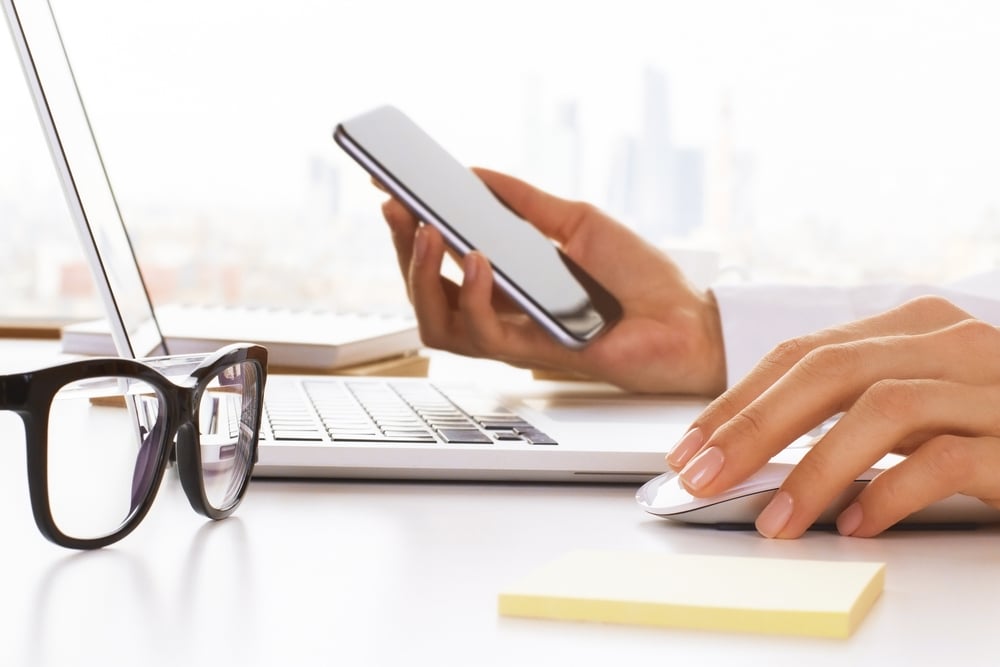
x=756 y=318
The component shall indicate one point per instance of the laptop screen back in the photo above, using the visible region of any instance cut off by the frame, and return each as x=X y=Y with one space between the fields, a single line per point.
x=84 y=178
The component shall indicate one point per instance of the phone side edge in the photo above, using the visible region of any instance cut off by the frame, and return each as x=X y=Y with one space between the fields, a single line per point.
x=343 y=139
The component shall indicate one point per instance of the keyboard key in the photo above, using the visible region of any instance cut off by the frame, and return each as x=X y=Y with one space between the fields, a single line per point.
x=505 y=434
x=374 y=438
x=464 y=436
x=536 y=437
x=296 y=435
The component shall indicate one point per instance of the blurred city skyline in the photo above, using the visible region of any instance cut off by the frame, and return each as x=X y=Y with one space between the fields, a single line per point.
x=802 y=141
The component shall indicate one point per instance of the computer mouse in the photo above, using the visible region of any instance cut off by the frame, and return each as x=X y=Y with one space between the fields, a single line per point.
x=738 y=507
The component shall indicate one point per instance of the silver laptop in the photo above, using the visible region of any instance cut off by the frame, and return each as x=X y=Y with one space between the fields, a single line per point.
x=322 y=426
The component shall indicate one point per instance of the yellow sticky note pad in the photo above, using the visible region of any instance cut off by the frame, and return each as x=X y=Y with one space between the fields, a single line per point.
x=766 y=595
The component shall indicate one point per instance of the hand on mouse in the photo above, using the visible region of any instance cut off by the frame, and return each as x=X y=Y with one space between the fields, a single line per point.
x=669 y=339
x=921 y=380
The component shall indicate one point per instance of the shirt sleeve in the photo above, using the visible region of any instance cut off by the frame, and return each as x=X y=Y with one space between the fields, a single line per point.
x=755 y=318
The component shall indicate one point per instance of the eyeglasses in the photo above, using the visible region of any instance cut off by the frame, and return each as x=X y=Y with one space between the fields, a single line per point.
x=100 y=433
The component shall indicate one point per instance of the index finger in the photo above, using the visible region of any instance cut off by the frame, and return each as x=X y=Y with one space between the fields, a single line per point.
x=828 y=381
x=921 y=315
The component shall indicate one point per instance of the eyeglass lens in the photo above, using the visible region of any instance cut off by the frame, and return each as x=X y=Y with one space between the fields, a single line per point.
x=227 y=417
x=108 y=431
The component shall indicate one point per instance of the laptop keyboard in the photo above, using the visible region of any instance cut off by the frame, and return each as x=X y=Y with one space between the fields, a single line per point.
x=390 y=412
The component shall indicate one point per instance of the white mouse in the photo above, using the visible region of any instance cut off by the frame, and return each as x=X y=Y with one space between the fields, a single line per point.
x=738 y=507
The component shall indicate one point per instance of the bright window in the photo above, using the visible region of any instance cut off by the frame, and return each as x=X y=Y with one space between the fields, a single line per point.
x=806 y=141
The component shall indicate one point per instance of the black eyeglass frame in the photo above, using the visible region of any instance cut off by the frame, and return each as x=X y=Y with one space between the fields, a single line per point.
x=30 y=395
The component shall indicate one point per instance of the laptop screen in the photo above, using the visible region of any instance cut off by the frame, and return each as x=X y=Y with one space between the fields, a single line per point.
x=85 y=182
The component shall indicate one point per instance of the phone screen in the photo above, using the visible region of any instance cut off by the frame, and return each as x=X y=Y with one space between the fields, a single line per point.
x=442 y=192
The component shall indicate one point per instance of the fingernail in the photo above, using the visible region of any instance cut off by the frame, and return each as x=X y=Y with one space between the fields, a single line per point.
x=686 y=448
x=850 y=519
x=471 y=267
x=420 y=245
x=777 y=513
x=703 y=468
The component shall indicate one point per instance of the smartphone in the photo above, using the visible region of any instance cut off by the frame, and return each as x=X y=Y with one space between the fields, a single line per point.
x=440 y=191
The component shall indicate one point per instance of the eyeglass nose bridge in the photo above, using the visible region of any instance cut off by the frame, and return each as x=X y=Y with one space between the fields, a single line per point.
x=186 y=413
x=188 y=459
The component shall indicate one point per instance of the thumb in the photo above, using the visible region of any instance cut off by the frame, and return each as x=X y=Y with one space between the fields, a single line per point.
x=555 y=217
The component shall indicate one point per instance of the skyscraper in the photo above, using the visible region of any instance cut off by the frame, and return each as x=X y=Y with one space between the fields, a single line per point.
x=656 y=186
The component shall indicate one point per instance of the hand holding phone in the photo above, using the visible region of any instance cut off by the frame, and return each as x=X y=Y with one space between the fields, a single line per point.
x=528 y=267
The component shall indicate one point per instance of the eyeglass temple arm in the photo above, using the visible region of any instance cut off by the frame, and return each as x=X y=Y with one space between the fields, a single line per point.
x=13 y=391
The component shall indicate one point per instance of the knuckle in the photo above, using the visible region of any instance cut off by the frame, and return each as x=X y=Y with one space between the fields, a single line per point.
x=831 y=362
x=892 y=400
x=397 y=217
x=482 y=345
x=789 y=352
x=974 y=333
x=584 y=210
x=483 y=335
x=932 y=304
x=811 y=470
x=949 y=457
x=933 y=308
x=478 y=336
x=427 y=338
x=722 y=408
x=887 y=500
x=431 y=336
x=579 y=215
x=719 y=412
x=746 y=426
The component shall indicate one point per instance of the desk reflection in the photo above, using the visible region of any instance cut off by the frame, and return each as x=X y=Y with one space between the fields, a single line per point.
x=147 y=618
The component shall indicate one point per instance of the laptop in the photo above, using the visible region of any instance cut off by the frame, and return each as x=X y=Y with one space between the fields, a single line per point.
x=351 y=427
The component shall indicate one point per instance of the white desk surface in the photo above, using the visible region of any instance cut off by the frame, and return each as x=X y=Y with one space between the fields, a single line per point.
x=371 y=573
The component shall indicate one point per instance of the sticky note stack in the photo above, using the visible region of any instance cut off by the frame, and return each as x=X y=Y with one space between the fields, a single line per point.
x=766 y=595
